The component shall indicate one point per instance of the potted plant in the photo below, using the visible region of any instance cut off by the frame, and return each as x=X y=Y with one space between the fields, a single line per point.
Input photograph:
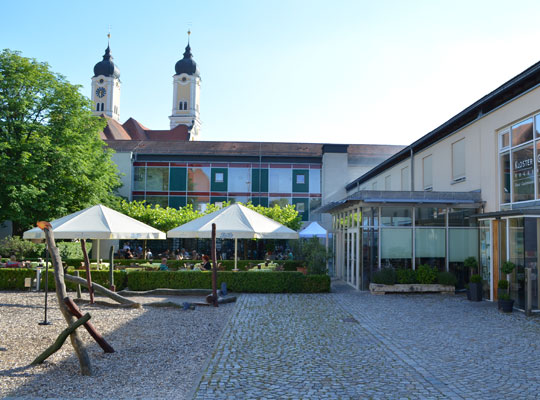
x=507 y=268
x=475 y=282
x=504 y=302
x=475 y=287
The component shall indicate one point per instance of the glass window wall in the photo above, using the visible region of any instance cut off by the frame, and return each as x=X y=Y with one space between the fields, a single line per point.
x=157 y=179
x=280 y=180
x=523 y=174
x=430 y=247
x=239 y=180
x=396 y=216
x=429 y=216
x=314 y=181
x=396 y=247
x=199 y=179
x=139 y=178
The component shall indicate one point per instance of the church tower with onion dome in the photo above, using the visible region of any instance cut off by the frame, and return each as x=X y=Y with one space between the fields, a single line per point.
x=186 y=94
x=106 y=87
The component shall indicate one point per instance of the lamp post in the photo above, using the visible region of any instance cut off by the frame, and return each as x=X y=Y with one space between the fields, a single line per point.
x=45 y=322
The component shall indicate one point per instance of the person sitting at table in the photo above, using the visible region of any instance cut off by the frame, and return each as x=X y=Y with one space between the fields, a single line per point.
x=206 y=263
x=13 y=263
x=163 y=266
x=128 y=255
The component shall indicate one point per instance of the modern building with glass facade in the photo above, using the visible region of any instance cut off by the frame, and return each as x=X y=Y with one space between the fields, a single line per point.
x=471 y=187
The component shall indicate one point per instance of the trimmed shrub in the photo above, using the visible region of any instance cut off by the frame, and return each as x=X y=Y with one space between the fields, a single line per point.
x=246 y=282
x=503 y=284
x=446 y=278
x=13 y=278
x=426 y=274
x=385 y=276
x=476 y=278
x=20 y=247
x=405 y=276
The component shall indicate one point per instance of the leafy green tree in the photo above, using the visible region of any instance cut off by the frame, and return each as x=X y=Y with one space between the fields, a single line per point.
x=52 y=159
x=169 y=218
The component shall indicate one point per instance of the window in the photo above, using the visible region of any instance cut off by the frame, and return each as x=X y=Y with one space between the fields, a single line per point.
x=219 y=177
x=300 y=207
x=519 y=166
x=504 y=140
x=182 y=105
x=157 y=179
x=280 y=180
x=458 y=161
x=185 y=105
x=388 y=182
x=522 y=132
x=427 y=171
x=239 y=179
x=97 y=107
x=405 y=178
x=300 y=179
x=315 y=181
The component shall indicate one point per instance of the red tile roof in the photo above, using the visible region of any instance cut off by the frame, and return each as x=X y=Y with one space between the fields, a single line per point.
x=132 y=130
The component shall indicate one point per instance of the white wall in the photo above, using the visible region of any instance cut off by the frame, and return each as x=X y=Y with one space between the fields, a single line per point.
x=123 y=161
x=481 y=154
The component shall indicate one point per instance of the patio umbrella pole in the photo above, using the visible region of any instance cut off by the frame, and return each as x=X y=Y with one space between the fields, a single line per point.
x=235 y=254
x=214 y=267
x=87 y=266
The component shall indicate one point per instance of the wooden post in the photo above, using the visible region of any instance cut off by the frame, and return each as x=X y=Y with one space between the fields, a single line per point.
x=79 y=295
x=102 y=290
x=53 y=348
x=82 y=355
x=214 y=267
x=87 y=266
x=107 y=348
x=111 y=269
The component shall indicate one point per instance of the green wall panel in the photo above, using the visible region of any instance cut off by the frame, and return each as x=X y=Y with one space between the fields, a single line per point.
x=255 y=180
x=217 y=199
x=263 y=201
x=177 y=201
x=300 y=187
x=305 y=202
x=178 y=179
x=219 y=186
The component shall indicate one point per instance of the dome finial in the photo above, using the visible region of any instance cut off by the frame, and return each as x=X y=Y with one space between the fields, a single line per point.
x=109 y=36
x=188 y=33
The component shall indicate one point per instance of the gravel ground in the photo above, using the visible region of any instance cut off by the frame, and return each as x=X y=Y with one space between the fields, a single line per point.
x=160 y=352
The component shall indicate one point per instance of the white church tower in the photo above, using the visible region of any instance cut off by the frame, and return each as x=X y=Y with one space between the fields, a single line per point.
x=106 y=87
x=186 y=94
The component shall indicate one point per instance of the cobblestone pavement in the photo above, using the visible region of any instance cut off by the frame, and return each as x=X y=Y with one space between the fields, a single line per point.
x=352 y=345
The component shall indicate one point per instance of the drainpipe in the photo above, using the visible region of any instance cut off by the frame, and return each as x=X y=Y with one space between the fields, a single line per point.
x=412 y=168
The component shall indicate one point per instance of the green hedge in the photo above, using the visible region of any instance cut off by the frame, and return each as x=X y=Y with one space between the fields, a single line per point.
x=13 y=278
x=241 y=282
x=288 y=265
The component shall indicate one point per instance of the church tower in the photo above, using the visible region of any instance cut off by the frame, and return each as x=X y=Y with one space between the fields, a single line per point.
x=106 y=87
x=186 y=94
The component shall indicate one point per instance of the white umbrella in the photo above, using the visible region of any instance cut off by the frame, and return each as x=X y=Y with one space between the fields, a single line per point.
x=234 y=222
x=97 y=222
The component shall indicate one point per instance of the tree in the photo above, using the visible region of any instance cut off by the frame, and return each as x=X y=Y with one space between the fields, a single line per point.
x=52 y=159
x=169 y=218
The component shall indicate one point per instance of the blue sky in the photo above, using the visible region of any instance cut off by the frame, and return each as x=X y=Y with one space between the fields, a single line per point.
x=294 y=71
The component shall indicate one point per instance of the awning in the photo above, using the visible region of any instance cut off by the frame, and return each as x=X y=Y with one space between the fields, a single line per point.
x=372 y=198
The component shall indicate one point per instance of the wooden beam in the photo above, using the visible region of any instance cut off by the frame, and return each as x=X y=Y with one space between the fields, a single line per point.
x=61 y=339
x=107 y=348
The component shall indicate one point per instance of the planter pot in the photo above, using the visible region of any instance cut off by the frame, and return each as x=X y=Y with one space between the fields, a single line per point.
x=475 y=290
x=505 y=305
x=377 y=288
x=468 y=294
